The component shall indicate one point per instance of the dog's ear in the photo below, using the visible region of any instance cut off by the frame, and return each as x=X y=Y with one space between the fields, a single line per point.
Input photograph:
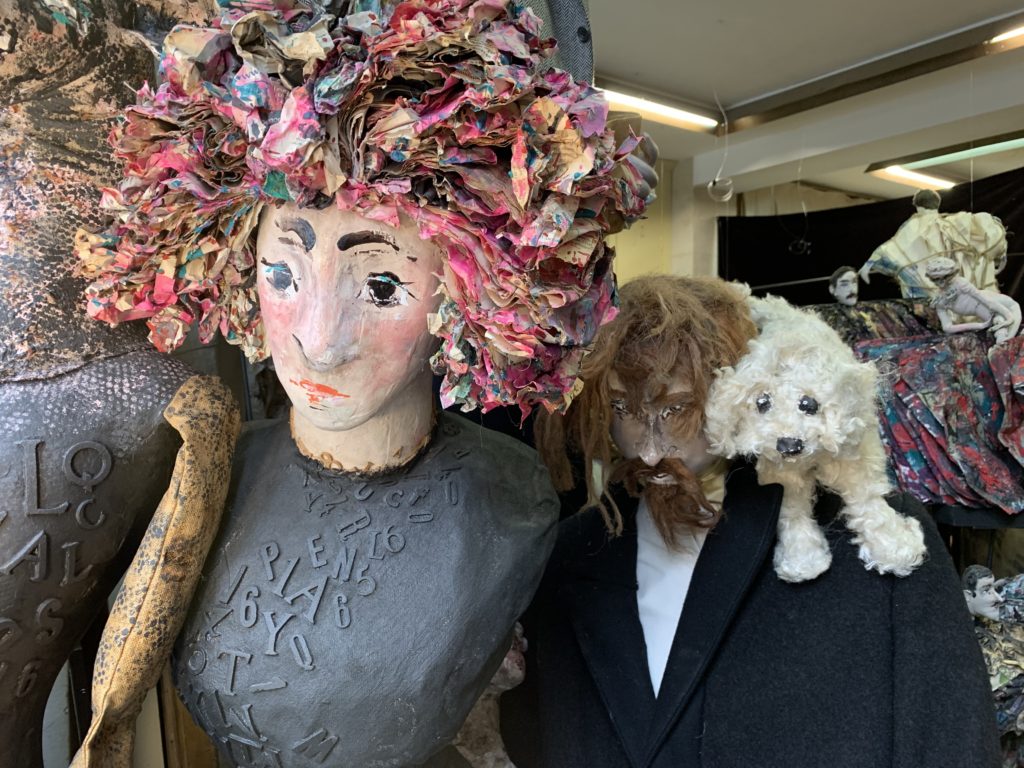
x=856 y=394
x=774 y=311
x=726 y=406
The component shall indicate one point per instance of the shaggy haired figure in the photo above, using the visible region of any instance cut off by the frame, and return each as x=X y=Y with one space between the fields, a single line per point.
x=661 y=635
x=669 y=329
x=804 y=407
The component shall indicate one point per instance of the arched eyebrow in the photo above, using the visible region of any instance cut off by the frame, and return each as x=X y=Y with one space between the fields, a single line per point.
x=364 y=236
x=302 y=228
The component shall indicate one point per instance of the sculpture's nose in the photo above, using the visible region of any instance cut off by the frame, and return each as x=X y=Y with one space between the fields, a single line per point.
x=324 y=354
x=651 y=452
x=790 y=446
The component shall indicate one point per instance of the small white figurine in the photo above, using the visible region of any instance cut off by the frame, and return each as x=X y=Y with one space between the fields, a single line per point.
x=804 y=406
x=843 y=286
x=975 y=241
x=958 y=298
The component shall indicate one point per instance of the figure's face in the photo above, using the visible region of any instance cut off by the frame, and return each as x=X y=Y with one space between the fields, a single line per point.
x=845 y=289
x=985 y=601
x=345 y=303
x=657 y=431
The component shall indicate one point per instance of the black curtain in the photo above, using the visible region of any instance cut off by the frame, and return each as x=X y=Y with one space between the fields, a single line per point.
x=768 y=250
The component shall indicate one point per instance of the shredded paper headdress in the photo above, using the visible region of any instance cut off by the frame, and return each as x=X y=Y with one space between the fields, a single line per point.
x=438 y=109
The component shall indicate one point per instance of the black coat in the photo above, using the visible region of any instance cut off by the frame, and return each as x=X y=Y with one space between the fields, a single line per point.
x=851 y=670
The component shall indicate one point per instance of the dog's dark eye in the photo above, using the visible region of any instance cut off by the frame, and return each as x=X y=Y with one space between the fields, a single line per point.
x=619 y=406
x=763 y=402
x=808 y=405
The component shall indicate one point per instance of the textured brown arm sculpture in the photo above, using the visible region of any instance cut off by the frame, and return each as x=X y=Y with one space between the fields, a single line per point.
x=157 y=589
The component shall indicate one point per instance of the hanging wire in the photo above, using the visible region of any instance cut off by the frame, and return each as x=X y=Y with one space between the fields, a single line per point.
x=720 y=189
x=799 y=245
x=970 y=97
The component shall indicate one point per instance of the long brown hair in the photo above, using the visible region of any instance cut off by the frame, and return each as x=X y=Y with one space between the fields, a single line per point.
x=667 y=327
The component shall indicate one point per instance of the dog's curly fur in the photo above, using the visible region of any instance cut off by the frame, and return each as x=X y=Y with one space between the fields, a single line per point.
x=804 y=406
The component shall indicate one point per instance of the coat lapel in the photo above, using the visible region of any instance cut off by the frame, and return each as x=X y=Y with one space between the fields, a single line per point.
x=732 y=555
x=600 y=595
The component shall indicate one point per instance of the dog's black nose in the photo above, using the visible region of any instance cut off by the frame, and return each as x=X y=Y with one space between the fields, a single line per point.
x=790 y=446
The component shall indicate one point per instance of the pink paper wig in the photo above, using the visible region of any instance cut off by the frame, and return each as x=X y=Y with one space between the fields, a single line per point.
x=436 y=109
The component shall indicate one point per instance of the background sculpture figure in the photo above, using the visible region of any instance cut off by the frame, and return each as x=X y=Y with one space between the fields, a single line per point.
x=93 y=419
x=980 y=592
x=976 y=241
x=842 y=284
x=958 y=299
x=998 y=610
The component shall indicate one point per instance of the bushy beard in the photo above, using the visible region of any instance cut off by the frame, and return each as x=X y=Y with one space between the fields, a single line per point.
x=676 y=502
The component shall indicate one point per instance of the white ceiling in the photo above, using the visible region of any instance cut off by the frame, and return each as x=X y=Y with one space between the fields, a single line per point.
x=746 y=49
x=691 y=51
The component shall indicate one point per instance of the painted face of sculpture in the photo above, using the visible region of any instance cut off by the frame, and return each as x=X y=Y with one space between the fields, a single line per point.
x=845 y=289
x=658 y=430
x=984 y=600
x=345 y=303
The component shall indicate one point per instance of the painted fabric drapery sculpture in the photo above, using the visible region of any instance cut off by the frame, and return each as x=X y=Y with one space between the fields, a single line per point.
x=97 y=427
x=976 y=241
x=952 y=418
x=878 y=319
x=801 y=404
x=298 y=181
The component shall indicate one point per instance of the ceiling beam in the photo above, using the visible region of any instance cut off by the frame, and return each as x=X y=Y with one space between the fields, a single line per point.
x=952 y=106
x=951 y=50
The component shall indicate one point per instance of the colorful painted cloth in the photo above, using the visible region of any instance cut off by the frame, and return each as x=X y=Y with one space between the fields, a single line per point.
x=1002 y=645
x=891 y=318
x=1007 y=361
x=434 y=109
x=1012 y=592
x=946 y=417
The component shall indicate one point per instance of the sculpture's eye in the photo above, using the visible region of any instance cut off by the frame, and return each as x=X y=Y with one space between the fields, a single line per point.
x=672 y=410
x=279 y=276
x=763 y=402
x=808 y=405
x=384 y=289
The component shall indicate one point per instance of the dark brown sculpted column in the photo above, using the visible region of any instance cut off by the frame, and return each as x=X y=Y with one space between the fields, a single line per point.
x=89 y=437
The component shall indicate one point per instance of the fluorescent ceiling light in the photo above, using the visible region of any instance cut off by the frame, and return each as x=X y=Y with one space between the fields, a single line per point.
x=659 y=113
x=901 y=175
x=967 y=154
x=1009 y=35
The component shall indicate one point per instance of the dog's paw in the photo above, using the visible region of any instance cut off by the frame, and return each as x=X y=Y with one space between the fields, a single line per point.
x=796 y=564
x=897 y=547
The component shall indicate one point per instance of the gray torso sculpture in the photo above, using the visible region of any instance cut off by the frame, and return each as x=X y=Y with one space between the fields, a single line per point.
x=347 y=620
x=85 y=458
x=86 y=453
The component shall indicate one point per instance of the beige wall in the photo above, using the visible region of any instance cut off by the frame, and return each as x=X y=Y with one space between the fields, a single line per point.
x=647 y=245
x=679 y=234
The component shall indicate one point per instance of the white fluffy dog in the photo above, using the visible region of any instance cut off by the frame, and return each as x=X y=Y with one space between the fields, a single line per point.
x=804 y=406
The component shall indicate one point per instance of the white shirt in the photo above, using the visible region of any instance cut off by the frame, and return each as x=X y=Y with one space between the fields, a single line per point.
x=663 y=576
